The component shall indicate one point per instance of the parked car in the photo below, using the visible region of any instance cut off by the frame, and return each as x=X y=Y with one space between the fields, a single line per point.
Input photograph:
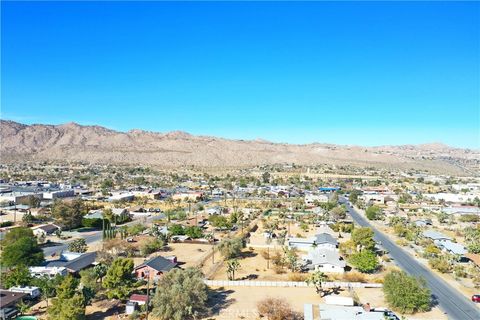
x=476 y=298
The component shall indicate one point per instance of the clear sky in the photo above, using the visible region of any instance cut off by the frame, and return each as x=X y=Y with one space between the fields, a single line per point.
x=339 y=72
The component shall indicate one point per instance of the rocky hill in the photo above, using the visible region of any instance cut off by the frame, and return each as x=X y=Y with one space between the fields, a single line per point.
x=97 y=144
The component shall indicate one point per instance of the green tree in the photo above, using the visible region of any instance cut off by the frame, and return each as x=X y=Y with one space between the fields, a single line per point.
x=338 y=213
x=16 y=234
x=406 y=294
x=194 y=232
x=373 y=213
x=118 y=279
x=68 y=215
x=47 y=285
x=24 y=251
x=353 y=197
x=317 y=278
x=18 y=276
x=152 y=246
x=266 y=177
x=231 y=248
x=89 y=278
x=69 y=304
x=220 y=222
x=33 y=202
x=363 y=237
x=181 y=295
x=441 y=263
x=291 y=258
x=232 y=266
x=365 y=261
x=78 y=245
x=431 y=251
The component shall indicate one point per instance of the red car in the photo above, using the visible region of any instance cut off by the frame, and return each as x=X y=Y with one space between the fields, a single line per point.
x=476 y=298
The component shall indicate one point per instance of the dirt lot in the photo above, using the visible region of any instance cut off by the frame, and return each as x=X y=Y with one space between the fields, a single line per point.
x=241 y=302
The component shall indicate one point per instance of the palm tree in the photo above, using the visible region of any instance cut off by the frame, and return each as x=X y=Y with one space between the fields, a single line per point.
x=232 y=266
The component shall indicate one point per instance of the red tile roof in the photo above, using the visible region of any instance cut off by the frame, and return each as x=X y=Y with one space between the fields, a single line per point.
x=138 y=297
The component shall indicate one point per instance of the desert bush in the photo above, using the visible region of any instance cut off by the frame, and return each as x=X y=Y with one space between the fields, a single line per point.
x=265 y=254
x=354 y=277
x=300 y=277
x=278 y=269
x=276 y=309
x=441 y=264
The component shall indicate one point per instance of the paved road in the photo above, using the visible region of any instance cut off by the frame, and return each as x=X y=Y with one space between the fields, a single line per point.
x=455 y=305
x=93 y=236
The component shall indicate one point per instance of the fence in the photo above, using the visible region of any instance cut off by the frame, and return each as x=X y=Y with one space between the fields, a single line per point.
x=253 y=283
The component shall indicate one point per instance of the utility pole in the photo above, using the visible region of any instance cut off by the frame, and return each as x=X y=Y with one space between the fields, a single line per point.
x=213 y=247
x=268 y=257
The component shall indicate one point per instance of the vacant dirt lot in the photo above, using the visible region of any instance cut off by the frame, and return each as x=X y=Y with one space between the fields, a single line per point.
x=241 y=302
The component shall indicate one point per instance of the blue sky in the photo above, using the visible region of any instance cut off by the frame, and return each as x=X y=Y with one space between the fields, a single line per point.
x=339 y=72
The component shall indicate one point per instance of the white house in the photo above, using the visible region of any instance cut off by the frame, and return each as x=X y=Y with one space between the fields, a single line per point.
x=310 y=199
x=47 y=271
x=321 y=241
x=450 y=197
x=45 y=230
x=51 y=195
x=325 y=260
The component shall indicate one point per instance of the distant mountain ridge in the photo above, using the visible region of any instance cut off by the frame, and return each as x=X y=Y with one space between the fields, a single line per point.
x=96 y=144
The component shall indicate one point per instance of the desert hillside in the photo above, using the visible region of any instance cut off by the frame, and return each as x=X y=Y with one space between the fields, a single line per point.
x=97 y=144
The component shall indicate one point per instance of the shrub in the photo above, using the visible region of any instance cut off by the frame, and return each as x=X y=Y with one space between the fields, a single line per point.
x=406 y=294
x=278 y=269
x=354 y=277
x=276 y=309
x=300 y=277
x=373 y=213
x=231 y=248
x=92 y=223
x=6 y=224
x=365 y=261
x=441 y=264
x=152 y=246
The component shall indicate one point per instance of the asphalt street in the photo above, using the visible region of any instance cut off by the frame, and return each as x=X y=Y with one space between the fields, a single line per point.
x=92 y=237
x=455 y=305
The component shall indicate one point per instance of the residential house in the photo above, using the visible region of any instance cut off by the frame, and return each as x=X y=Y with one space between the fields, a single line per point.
x=72 y=261
x=45 y=230
x=325 y=260
x=436 y=236
x=51 y=195
x=321 y=241
x=422 y=223
x=462 y=210
x=334 y=312
x=125 y=196
x=8 y=303
x=194 y=196
x=154 y=268
x=452 y=247
x=50 y=272
x=311 y=199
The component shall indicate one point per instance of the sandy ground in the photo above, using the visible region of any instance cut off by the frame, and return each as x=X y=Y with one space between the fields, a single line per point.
x=241 y=302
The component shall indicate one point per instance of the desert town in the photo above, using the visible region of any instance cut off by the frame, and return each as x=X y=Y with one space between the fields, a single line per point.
x=296 y=242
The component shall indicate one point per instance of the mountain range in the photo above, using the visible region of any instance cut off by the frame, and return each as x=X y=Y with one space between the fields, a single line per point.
x=96 y=144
